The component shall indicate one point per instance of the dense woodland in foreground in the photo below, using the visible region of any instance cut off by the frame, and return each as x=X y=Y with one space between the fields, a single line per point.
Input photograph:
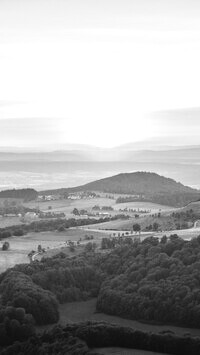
x=154 y=281
x=151 y=280
x=78 y=339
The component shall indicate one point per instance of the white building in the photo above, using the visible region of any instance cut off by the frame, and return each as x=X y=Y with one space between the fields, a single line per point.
x=30 y=216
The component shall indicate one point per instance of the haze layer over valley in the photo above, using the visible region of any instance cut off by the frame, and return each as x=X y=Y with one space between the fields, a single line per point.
x=74 y=165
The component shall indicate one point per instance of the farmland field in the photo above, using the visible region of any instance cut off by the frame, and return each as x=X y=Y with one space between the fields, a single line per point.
x=9 y=221
x=122 y=226
x=119 y=224
x=68 y=205
x=21 y=246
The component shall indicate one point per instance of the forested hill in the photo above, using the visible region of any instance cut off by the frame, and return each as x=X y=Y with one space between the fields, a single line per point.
x=138 y=182
x=149 y=186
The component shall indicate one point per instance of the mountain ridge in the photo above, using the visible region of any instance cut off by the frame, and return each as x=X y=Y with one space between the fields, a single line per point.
x=143 y=182
x=139 y=186
x=149 y=186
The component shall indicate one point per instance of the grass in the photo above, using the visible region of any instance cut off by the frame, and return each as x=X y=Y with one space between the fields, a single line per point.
x=193 y=205
x=73 y=312
x=9 y=221
x=21 y=246
x=67 y=206
x=165 y=222
x=83 y=311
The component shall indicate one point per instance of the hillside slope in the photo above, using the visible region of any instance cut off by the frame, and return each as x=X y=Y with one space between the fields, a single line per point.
x=149 y=186
x=138 y=182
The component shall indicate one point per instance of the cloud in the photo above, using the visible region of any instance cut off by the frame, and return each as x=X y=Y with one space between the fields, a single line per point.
x=187 y=117
x=29 y=131
x=4 y=103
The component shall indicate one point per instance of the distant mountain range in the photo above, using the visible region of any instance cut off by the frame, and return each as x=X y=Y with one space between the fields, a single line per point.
x=125 y=153
x=74 y=165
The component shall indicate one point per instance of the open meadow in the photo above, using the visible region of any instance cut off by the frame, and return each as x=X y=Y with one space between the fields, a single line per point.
x=67 y=205
x=9 y=221
x=86 y=310
x=51 y=241
x=75 y=312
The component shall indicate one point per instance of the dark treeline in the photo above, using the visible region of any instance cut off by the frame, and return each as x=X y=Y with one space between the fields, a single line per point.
x=174 y=199
x=37 y=286
x=78 y=339
x=69 y=279
x=53 y=225
x=187 y=216
x=15 y=324
x=24 y=194
x=157 y=281
x=170 y=199
x=18 y=290
x=153 y=281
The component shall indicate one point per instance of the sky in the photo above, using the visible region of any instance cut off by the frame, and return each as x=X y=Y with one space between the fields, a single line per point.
x=99 y=72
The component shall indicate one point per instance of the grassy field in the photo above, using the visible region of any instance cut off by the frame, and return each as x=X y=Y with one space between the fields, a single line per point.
x=83 y=311
x=193 y=205
x=21 y=246
x=67 y=206
x=185 y=234
x=119 y=224
x=9 y=221
x=144 y=220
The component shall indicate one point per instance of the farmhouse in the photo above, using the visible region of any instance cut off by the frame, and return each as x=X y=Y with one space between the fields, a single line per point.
x=103 y=214
x=74 y=196
x=30 y=216
x=47 y=198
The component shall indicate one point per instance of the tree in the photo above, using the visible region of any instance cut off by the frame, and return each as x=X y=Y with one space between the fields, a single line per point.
x=18 y=232
x=90 y=247
x=155 y=226
x=136 y=228
x=39 y=248
x=163 y=239
x=75 y=212
x=5 y=246
x=72 y=248
x=61 y=229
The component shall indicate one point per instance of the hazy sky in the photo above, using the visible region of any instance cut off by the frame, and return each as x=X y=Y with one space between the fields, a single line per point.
x=100 y=72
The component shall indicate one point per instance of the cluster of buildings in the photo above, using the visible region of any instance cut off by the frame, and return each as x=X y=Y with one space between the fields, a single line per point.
x=48 y=197
x=71 y=196
x=81 y=195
